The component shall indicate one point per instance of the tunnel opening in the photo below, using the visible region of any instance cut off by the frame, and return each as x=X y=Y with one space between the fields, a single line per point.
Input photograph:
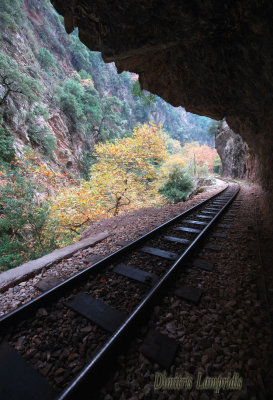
x=212 y=59
x=67 y=121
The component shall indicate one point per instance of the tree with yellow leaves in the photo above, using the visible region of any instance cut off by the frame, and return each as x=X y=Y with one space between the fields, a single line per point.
x=126 y=170
x=123 y=178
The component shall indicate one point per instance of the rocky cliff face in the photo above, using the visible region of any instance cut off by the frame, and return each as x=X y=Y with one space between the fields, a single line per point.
x=40 y=123
x=214 y=58
x=19 y=115
x=233 y=151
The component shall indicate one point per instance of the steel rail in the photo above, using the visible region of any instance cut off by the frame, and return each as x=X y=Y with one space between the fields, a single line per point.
x=91 y=376
x=58 y=291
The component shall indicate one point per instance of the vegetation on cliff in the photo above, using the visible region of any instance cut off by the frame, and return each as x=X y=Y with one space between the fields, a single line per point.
x=76 y=141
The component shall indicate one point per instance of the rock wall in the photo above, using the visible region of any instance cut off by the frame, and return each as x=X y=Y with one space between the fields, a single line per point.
x=44 y=52
x=212 y=57
x=22 y=47
x=233 y=151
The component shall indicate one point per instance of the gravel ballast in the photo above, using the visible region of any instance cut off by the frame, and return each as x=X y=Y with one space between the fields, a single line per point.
x=227 y=332
x=126 y=227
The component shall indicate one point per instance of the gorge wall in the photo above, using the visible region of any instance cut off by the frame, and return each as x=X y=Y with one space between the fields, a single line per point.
x=238 y=161
x=213 y=58
x=78 y=100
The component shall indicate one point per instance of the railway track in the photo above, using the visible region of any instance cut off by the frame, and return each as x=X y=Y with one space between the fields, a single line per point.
x=60 y=344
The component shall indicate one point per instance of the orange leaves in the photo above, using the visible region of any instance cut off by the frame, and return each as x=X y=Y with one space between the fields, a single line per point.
x=188 y=156
x=39 y=173
x=203 y=154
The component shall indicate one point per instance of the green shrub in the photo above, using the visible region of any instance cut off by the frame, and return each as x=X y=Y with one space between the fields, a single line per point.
x=79 y=52
x=46 y=59
x=40 y=137
x=7 y=152
x=217 y=165
x=87 y=159
x=92 y=106
x=38 y=111
x=214 y=127
x=70 y=98
x=49 y=145
x=84 y=75
x=80 y=105
x=86 y=109
x=203 y=171
x=14 y=81
x=22 y=220
x=177 y=187
x=148 y=99
x=71 y=106
x=11 y=14
x=75 y=88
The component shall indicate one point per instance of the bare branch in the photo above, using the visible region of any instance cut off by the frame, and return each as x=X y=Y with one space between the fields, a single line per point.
x=80 y=225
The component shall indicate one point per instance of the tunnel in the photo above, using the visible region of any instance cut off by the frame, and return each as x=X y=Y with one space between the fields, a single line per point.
x=161 y=303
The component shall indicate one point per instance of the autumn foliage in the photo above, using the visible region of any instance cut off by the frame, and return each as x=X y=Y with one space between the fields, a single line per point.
x=192 y=157
x=25 y=186
x=202 y=154
x=129 y=173
x=122 y=179
x=31 y=166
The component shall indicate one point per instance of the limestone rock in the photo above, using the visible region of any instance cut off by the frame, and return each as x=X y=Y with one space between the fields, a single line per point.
x=233 y=151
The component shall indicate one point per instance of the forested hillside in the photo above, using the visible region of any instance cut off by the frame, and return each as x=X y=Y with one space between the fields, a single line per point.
x=78 y=141
x=60 y=98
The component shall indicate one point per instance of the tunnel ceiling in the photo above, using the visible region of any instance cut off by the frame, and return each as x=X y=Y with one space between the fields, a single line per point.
x=212 y=57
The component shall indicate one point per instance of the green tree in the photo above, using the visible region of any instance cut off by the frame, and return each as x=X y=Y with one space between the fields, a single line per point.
x=22 y=220
x=85 y=162
x=70 y=98
x=141 y=113
x=217 y=165
x=40 y=136
x=72 y=86
x=14 y=81
x=92 y=106
x=11 y=14
x=79 y=53
x=138 y=92
x=177 y=187
x=46 y=59
x=38 y=111
x=213 y=127
x=110 y=124
x=7 y=152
